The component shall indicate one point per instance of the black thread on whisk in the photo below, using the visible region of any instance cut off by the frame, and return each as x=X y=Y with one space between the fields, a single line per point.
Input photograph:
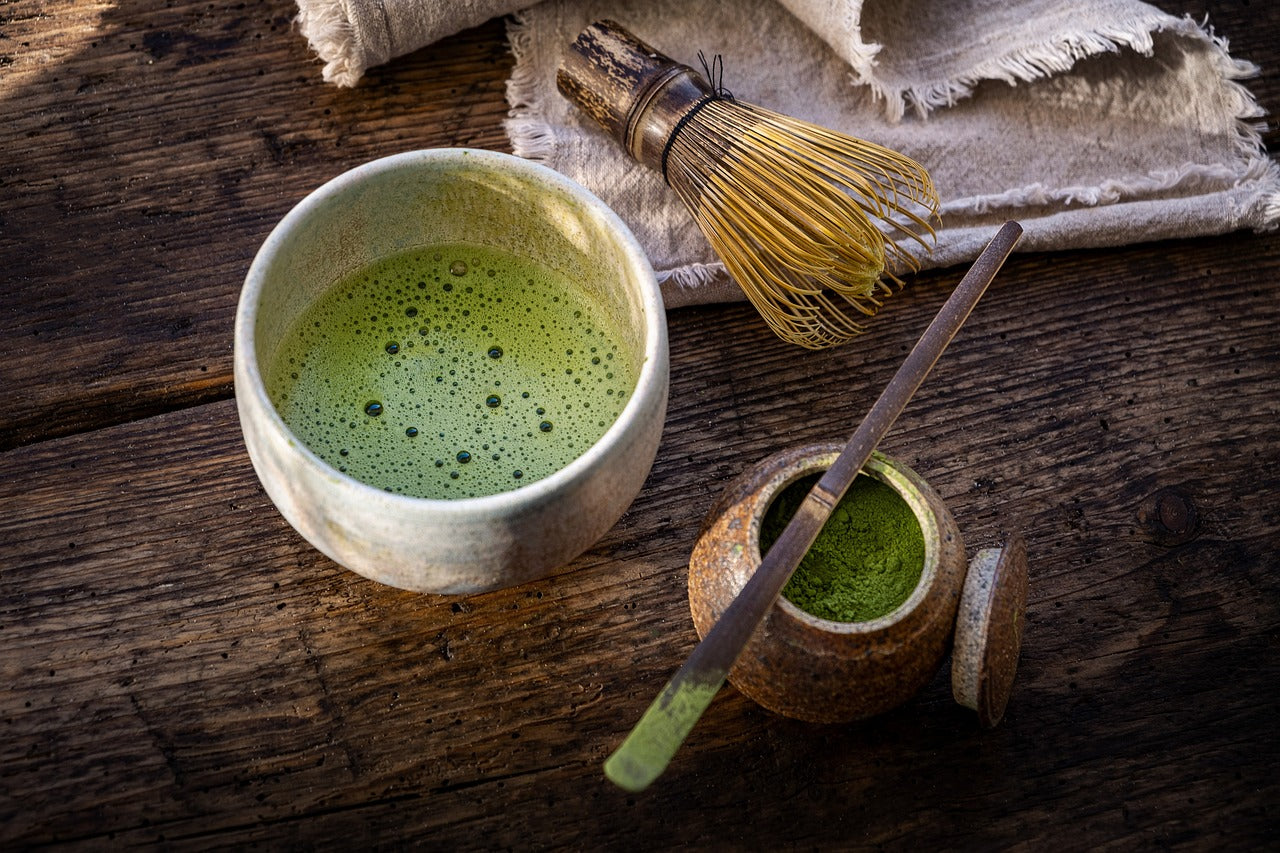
x=714 y=72
x=715 y=75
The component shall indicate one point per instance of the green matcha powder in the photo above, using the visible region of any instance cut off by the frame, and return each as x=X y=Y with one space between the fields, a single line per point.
x=866 y=560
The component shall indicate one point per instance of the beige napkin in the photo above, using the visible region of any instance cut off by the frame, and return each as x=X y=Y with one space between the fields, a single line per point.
x=352 y=36
x=1094 y=123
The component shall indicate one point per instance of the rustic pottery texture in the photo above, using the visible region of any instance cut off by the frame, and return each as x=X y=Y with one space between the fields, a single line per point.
x=989 y=628
x=451 y=196
x=815 y=669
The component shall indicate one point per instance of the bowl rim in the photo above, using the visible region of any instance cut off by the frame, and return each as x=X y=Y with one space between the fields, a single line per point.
x=651 y=382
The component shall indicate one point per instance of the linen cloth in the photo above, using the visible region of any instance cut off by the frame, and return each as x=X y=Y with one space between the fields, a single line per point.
x=1092 y=122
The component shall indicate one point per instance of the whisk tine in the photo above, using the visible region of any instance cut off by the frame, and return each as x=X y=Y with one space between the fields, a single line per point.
x=815 y=226
x=790 y=215
x=878 y=175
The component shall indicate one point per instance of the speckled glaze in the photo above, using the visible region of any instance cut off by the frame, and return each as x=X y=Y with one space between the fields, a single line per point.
x=989 y=628
x=425 y=198
x=814 y=669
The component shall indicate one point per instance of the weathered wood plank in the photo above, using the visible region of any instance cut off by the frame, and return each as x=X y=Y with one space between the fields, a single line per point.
x=148 y=153
x=149 y=150
x=179 y=665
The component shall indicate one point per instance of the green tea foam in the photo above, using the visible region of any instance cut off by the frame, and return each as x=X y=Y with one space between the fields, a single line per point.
x=450 y=372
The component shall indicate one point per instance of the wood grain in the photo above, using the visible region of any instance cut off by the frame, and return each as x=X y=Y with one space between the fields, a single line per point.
x=150 y=150
x=155 y=149
x=179 y=669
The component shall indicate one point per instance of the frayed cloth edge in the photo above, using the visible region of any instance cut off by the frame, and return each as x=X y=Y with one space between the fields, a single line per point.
x=1030 y=63
x=532 y=137
x=1258 y=172
x=1253 y=170
x=328 y=31
x=698 y=284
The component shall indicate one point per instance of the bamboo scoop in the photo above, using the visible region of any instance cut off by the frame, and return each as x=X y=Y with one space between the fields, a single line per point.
x=647 y=750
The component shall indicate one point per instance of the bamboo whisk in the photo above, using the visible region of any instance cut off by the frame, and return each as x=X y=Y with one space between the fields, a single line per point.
x=805 y=219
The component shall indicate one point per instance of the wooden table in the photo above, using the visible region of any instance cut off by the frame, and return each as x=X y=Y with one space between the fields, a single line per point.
x=181 y=669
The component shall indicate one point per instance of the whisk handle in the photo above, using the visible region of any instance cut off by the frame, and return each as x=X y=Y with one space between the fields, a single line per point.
x=633 y=91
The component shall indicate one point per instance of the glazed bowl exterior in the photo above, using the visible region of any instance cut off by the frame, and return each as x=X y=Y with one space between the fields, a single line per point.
x=424 y=198
x=819 y=670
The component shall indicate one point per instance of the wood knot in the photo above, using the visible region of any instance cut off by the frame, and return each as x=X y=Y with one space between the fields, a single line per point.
x=1169 y=516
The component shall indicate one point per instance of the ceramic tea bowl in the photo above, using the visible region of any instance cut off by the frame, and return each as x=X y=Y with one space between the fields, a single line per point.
x=426 y=198
x=814 y=669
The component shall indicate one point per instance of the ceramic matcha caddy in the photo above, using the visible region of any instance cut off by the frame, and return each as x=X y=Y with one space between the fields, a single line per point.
x=823 y=669
x=737 y=613
x=451 y=369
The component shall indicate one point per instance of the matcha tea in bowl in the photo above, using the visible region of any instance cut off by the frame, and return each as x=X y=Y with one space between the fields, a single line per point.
x=451 y=369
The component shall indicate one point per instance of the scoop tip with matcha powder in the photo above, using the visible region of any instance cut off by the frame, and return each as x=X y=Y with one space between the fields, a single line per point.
x=654 y=740
x=865 y=563
x=650 y=746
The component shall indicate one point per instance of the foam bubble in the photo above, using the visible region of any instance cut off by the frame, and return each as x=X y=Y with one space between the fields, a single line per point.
x=334 y=362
